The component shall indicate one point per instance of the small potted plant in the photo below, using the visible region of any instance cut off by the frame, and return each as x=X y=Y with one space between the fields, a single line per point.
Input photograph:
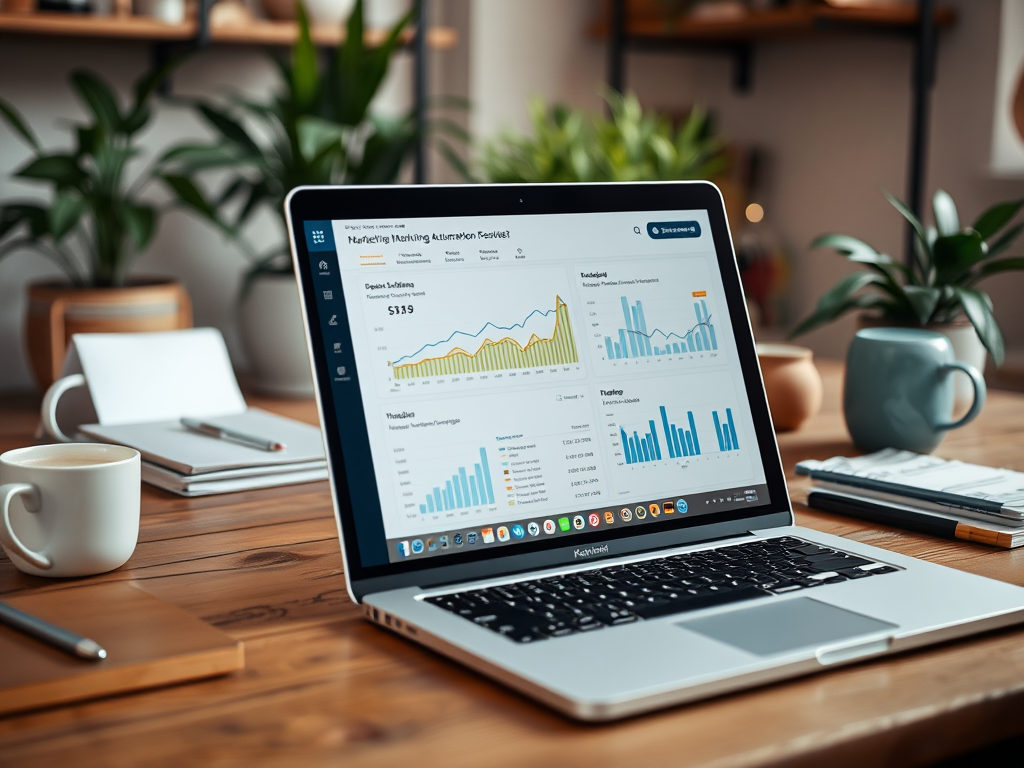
x=939 y=289
x=95 y=225
x=316 y=129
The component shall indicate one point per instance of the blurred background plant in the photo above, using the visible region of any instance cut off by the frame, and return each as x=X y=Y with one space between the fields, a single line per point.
x=97 y=221
x=317 y=128
x=633 y=145
x=940 y=284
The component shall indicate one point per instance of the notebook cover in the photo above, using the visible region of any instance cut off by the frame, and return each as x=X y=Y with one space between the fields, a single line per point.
x=149 y=643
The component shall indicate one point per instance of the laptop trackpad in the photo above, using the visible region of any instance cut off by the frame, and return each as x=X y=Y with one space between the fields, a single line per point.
x=785 y=625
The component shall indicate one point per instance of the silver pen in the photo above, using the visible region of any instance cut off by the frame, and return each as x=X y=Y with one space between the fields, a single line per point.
x=223 y=433
x=63 y=639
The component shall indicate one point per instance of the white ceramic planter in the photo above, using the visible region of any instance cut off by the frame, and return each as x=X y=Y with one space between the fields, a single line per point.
x=270 y=325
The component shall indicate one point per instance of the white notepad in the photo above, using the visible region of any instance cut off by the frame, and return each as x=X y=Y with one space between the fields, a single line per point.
x=169 y=444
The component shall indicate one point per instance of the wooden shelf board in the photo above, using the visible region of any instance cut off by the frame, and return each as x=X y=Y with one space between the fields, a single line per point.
x=258 y=32
x=776 y=23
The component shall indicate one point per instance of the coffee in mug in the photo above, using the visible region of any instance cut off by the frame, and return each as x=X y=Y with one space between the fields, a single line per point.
x=899 y=389
x=70 y=510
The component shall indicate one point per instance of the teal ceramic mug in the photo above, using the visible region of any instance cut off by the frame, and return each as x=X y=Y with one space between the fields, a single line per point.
x=899 y=389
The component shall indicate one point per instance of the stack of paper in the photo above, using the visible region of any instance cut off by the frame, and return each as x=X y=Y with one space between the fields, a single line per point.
x=192 y=464
x=926 y=493
x=142 y=384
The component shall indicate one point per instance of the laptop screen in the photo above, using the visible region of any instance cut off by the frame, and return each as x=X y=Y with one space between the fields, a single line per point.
x=509 y=382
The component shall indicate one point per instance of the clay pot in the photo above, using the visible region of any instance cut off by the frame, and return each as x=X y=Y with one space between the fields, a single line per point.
x=792 y=382
x=57 y=311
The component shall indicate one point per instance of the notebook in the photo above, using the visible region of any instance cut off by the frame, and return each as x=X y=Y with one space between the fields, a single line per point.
x=149 y=643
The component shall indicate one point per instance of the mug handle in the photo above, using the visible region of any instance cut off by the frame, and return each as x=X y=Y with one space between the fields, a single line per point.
x=50 y=400
x=980 y=391
x=7 y=535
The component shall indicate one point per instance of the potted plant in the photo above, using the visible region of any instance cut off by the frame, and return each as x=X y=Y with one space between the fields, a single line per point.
x=939 y=288
x=634 y=145
x=93 y=228
x=316 y=129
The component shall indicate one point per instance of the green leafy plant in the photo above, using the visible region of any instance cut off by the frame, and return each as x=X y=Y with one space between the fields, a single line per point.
x=316 y=129
x=97 y=221
x=570 y=145
x=941 y=282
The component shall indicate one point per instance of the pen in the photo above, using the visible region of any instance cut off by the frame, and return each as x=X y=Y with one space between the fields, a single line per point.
x=63 y=639
x=920 y=522
x=229 y=434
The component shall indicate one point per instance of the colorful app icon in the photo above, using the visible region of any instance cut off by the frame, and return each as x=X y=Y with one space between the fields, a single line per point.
x=471 y=538
x=579 y=523
x=641 y=512
x=444 y=541
x=626 y=514
x=594 y=519
x=549 y=526
x=682 y=506
x=431 y=545
x=417 y=546
x=534 y=529
x=563 y=523
x=457 y=539
x=609 y=517
x=503 y=533
x=668 y=507
x=518 y=531
x=487 y=534
x=403 y=549
x=654 y=510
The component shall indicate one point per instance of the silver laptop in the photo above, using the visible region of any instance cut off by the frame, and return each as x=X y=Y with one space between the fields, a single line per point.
x=552 y=458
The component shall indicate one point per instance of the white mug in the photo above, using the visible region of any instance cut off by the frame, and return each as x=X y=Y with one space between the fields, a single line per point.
x=70 y=510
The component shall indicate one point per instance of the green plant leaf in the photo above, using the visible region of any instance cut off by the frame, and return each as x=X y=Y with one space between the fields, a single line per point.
x=189 y=195
x=923 y=300
x=996 y=217
x=149 y=82
x=35 y=216
x=229 y=128
x=922 y=237
x=137 y=120
x=305 y=73
x=257 y=194
x=66 y=211
x=140 y=223
x=1012 y=264
x=978 y=308
x=837 y=300
x=955 y=254
x=188 y=158
x=1005 y=241
x=315 y=135
x=865 y=301
x=18 y=124
x=944 y=209
x=60 y=169
x=99 y=98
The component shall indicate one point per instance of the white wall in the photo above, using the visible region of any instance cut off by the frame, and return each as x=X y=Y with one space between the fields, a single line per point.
x=833 y=114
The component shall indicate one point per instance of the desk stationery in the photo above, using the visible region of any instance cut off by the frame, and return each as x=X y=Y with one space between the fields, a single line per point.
x=322 y=686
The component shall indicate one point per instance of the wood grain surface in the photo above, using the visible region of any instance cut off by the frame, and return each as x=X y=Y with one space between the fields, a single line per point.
x=322 y=686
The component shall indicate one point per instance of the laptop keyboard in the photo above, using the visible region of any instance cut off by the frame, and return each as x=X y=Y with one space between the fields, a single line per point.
x=585 y=601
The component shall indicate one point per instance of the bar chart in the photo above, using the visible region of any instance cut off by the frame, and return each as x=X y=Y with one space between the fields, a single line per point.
x=726 y=431
x=635 y=340
x=465 y=489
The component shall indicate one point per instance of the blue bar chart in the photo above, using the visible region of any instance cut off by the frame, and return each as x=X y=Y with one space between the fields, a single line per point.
x=465 y=489
x=634 y=339
x=726 y=430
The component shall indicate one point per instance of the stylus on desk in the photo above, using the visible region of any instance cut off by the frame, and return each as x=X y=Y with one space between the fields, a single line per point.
x=229 y=434
x=63 y=639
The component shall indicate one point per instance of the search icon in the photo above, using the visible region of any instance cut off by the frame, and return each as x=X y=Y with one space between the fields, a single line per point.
x=637 y=230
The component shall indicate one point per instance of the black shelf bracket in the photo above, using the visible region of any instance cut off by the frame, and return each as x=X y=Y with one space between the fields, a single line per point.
x=420 y=92
x=925 y=50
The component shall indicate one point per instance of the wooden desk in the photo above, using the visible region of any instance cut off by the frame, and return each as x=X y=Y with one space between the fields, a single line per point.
x=325 y=687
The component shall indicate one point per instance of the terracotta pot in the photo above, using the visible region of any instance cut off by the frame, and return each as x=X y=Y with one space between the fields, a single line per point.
x=274 y=339
x=792 y=383
x=967 y=348
x=57 y=311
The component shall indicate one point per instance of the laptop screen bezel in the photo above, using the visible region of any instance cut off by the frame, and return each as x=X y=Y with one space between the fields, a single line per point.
x=438 y=201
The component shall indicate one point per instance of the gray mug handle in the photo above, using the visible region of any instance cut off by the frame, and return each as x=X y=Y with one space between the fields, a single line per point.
x=980 y=391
